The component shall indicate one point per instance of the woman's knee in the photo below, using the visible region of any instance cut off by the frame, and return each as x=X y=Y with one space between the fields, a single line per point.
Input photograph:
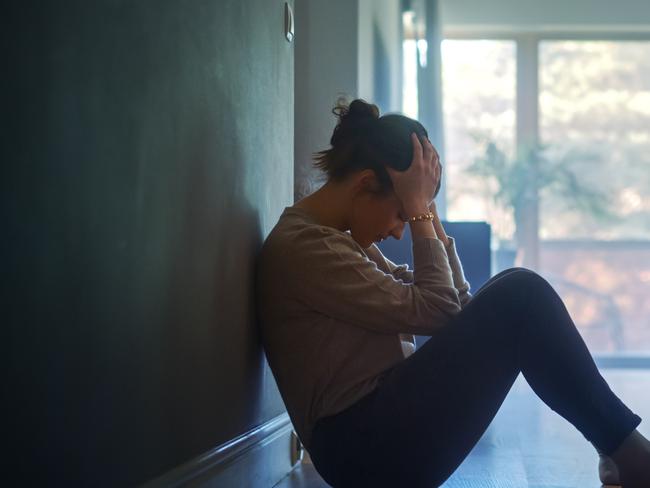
x=527 y=281
x=504 y=273
x=524 y=275
x=517 y=269
x=504 y=301
x=514 y=280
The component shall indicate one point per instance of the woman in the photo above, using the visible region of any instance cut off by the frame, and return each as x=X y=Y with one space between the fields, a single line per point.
x=337 y=321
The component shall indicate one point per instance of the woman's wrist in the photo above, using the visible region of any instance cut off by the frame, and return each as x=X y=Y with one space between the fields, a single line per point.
x=437 y=224
x=413 y=209
x=420 y=227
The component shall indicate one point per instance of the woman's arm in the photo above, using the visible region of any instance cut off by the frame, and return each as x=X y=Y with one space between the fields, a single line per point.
x=330 y=273
x=404 y=273
x=437 y=225
x=460 y=283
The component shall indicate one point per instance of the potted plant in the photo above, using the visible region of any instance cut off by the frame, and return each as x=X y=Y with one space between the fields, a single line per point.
x=520 y=181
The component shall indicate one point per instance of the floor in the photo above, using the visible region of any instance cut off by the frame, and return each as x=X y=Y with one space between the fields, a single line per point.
x=528 y=444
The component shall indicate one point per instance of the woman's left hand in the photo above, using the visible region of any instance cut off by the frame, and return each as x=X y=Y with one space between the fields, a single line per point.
x=435 y=193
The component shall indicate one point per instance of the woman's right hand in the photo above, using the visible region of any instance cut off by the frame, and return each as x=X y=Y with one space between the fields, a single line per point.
x=417 y=186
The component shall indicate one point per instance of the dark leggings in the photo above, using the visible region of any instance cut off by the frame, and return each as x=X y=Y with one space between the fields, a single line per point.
x=428 y=411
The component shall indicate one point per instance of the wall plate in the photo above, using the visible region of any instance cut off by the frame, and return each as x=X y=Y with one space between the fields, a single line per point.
x=288 y=22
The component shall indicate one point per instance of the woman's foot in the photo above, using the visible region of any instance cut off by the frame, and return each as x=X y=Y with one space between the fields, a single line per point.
x=607 y=470
x=632 y=458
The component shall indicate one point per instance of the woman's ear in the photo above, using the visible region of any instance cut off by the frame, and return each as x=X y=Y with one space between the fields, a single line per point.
x=366 y=182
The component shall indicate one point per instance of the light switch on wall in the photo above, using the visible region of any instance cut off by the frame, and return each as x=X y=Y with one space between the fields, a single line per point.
x=288 y=22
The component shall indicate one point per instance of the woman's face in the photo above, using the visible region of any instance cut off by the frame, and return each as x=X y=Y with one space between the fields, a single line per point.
x=375 y=217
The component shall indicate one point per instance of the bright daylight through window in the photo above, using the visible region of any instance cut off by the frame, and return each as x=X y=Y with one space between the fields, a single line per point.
x=593 y=180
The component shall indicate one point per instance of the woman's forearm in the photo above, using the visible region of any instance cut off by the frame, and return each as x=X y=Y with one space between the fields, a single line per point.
x=437 y=225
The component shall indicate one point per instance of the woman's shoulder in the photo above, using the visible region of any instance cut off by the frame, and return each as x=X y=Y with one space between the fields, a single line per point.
x=296 y=235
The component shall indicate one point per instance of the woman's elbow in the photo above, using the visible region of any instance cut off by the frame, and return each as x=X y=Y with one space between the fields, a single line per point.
x=431 y=309
x=465 y=299
x=444 y=309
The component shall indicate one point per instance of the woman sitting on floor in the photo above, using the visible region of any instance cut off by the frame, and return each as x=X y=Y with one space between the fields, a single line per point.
x=337 y=321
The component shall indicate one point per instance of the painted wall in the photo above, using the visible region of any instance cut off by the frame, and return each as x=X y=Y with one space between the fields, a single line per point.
x=343 y=47
x=380 y=53
x=147 y=150
x=325 y=68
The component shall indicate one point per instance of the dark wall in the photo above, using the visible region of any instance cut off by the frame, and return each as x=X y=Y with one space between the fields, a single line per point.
x=147 y=150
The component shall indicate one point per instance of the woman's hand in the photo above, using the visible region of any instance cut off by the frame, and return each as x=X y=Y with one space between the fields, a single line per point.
x=418 y=185
x=435 y=194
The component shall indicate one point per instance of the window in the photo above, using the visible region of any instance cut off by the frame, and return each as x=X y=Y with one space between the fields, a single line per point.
x=478 y=78
x=594 y=124
x=595 y=104
x=594 y=99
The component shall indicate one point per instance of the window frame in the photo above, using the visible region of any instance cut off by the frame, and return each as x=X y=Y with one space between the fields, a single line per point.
x=527 y=120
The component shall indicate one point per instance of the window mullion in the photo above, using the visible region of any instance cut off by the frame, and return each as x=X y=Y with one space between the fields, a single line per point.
x=527 y=137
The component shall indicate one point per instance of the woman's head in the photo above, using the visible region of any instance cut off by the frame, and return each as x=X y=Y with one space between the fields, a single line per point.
x=364 y=140
x=363 y=145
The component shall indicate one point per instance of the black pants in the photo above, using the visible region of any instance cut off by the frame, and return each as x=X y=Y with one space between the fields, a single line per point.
x=428 y=411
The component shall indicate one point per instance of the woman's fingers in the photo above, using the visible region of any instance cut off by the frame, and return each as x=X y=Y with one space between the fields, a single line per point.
x=417 y=147
x=431 y=148
x=418 y=182
x=429 y=151
x=437 y=166
x=435 y=151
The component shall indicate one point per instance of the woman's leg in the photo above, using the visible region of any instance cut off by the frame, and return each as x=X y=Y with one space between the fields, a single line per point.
x=431 y=409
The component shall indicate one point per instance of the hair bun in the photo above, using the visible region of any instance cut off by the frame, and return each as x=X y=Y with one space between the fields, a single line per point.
x=353 y=118
x=360 y=109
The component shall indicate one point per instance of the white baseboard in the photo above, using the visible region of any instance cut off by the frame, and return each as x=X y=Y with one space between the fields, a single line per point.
x=258 y=458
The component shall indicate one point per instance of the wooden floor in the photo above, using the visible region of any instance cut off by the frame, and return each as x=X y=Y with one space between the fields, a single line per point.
x=528 y=444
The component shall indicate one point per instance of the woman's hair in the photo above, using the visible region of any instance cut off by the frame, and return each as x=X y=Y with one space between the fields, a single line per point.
x=364 y=140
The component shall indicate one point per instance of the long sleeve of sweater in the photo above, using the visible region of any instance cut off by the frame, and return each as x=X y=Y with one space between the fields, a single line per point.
x=334 y=317
x=404 y=273
x=338 y=279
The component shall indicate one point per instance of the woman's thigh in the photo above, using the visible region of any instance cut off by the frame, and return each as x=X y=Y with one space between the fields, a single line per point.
x=431 y=409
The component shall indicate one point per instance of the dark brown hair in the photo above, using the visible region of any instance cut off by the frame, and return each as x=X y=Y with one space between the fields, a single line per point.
x=364 y=140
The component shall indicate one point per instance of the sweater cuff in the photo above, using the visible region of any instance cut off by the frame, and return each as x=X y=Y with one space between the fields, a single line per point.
x=429 y=254
x=454 y=263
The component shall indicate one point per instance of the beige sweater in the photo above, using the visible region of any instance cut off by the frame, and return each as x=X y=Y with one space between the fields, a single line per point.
x=334 y=316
